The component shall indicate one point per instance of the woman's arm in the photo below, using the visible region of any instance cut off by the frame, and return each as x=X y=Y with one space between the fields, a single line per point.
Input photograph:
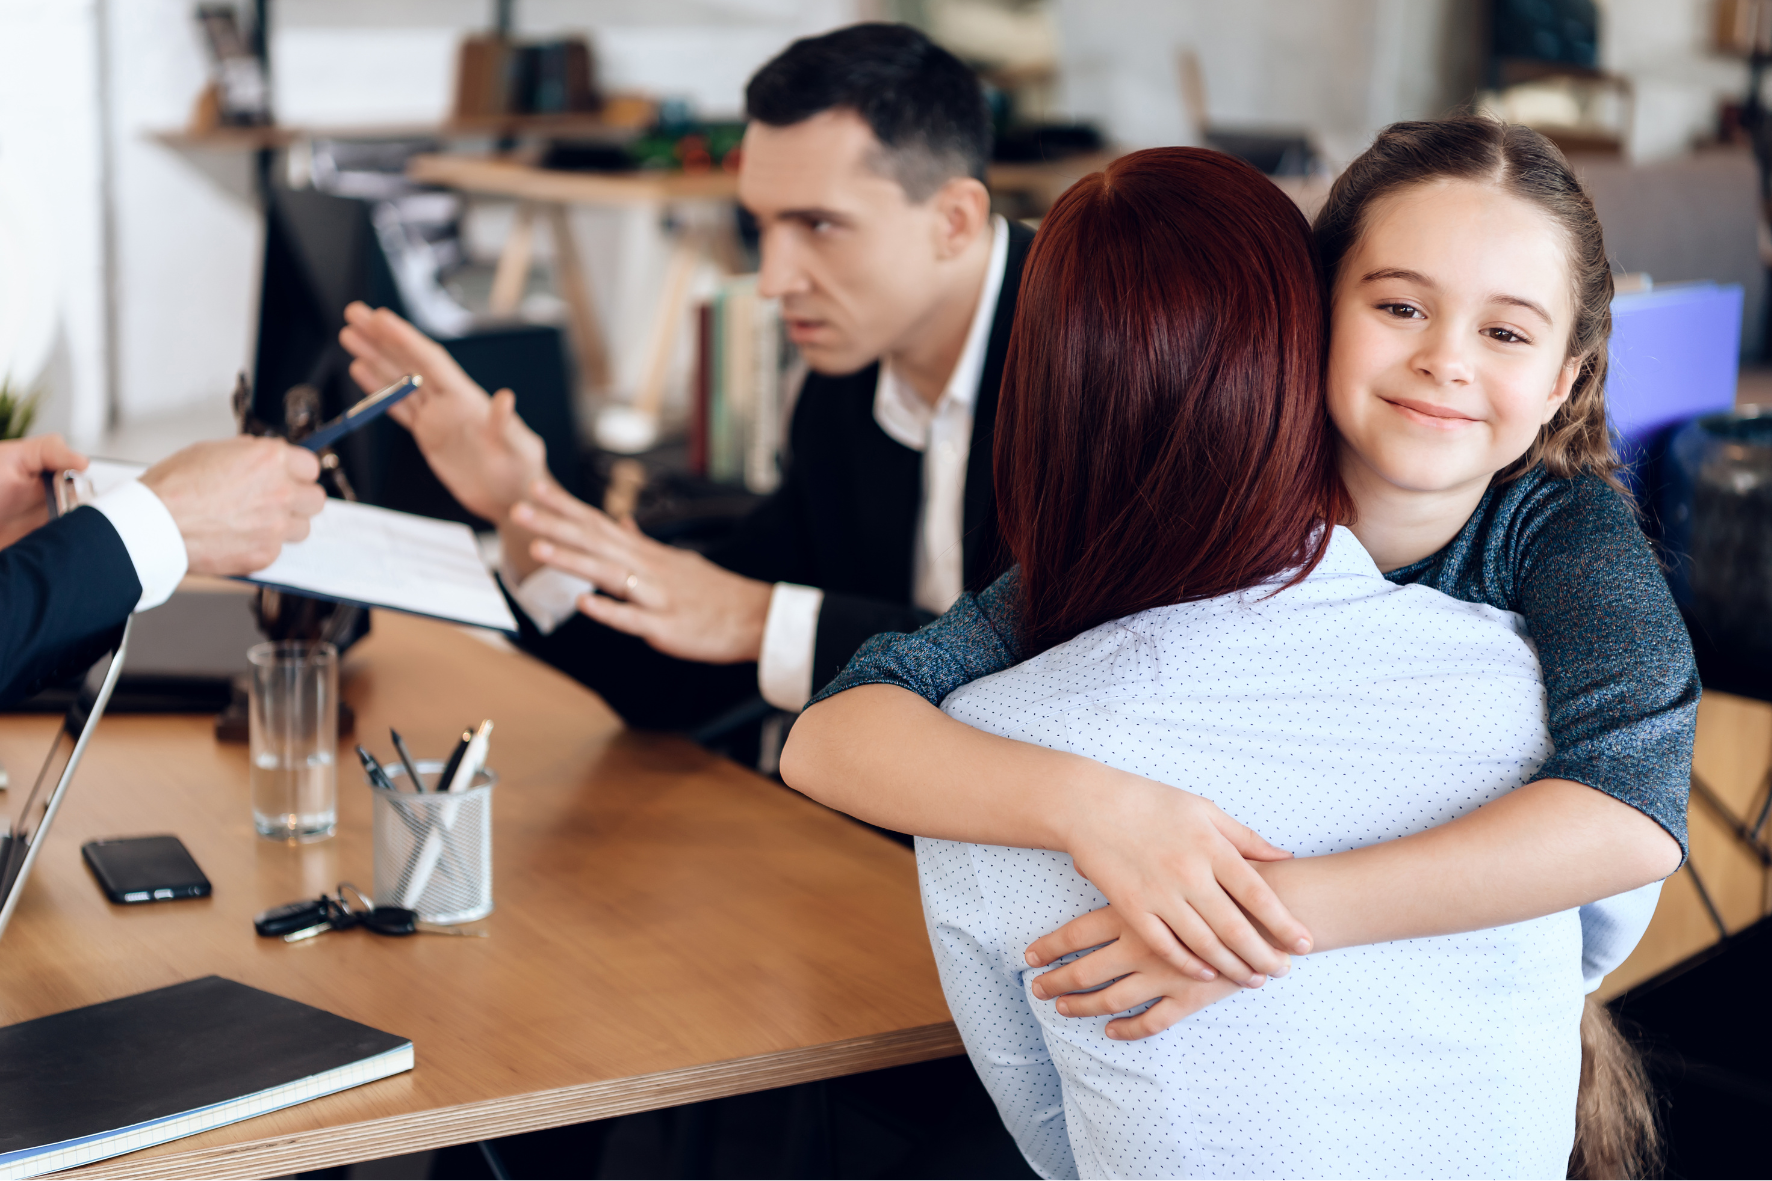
x=1170 y=859
x=1548 y=846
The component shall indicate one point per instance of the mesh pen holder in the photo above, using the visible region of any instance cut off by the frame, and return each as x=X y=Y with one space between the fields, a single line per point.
x=433 y=850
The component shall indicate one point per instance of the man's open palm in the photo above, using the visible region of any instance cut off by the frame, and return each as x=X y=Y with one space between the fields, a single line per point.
x=485 y=455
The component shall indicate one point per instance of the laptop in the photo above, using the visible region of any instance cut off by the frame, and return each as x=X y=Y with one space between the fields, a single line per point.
x=21 y=834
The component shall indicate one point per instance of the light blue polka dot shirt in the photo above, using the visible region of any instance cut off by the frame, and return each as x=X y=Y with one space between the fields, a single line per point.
x=1337 y=713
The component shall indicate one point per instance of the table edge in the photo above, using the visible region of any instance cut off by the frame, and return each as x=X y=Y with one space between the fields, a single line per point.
x=418 y=1131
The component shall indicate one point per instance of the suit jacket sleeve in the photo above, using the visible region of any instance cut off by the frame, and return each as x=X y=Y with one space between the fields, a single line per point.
x=779 y=541
x=65 y=592
x=840 y=467
x=657 y=692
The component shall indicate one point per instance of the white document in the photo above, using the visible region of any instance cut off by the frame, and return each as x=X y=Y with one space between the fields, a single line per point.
x=376 y=557
x=106 y=474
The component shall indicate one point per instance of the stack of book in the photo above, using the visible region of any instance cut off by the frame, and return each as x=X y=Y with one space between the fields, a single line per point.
x=497 y=77
x=743 y=375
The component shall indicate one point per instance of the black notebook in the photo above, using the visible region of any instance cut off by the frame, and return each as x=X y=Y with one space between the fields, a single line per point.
x=111 y=1078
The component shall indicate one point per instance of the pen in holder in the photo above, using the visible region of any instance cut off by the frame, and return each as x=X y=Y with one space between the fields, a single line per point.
x=433 y=850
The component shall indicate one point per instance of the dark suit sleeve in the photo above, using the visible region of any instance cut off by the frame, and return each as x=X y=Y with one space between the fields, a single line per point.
x=65 y=592
x=653 y=691
x=775 y=544
x=790 y=537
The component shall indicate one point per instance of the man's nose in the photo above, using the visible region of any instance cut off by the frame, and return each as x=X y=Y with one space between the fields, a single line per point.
x=780 y=272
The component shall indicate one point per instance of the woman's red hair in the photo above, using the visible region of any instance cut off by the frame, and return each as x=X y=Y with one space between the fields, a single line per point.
x=1162 y=434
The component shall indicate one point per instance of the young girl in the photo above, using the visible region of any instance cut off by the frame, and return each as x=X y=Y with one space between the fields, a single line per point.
x=1451 y=346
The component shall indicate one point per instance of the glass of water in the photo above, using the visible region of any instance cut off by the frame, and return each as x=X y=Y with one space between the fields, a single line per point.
x=294 y=712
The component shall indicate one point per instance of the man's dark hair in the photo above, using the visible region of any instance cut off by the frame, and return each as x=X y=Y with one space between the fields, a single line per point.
x=924 y=105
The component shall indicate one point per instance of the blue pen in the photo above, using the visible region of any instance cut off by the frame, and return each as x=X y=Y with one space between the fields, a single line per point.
x=369 y=409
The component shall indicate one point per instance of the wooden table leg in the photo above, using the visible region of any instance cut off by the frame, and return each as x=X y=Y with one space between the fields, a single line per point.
x=668 y=320
x=569 y=278
x=513 y=262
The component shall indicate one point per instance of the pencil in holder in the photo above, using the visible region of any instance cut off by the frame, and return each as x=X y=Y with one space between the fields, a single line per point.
x=433 y=850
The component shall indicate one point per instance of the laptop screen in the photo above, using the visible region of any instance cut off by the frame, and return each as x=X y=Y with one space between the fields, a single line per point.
x=21 y=834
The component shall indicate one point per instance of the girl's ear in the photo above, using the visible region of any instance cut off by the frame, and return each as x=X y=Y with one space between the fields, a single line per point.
x=1565 y=384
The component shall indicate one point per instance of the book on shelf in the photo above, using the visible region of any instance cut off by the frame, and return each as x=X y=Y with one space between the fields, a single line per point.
x=497 y=77
x=745 y=376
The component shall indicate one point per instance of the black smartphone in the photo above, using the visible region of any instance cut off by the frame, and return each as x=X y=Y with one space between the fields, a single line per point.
x=144 y=869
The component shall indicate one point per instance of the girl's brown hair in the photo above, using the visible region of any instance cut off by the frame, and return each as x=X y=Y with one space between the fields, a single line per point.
x=1521 y=162
x=1615 y=1131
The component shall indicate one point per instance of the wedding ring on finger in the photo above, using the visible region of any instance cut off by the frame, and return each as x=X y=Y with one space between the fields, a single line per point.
x=632 y=582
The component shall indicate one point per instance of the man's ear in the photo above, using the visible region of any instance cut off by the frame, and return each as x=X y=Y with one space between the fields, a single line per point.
x=1564 y=387
x=962 y=212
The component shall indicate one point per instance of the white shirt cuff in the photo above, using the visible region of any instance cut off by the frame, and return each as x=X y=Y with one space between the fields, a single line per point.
x=547 y=596
x=151 y=536
x=784 y=671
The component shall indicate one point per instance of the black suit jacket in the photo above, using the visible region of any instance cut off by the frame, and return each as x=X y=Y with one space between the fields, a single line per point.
x=844 y=520
x=65 y=591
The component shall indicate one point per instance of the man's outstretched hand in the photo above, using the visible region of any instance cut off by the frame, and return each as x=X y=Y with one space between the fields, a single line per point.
x=236 y=501
x=674 y=599
x=482 y=452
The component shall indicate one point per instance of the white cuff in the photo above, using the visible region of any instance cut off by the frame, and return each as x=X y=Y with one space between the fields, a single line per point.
x=151 y=536
x=784 y=671
x=547 y=596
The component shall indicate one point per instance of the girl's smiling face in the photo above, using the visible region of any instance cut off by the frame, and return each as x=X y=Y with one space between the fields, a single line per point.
x=1449 y=342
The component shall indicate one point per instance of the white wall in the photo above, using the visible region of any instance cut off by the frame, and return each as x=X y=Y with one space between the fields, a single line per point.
x=1338 y=68
x=52 y=293
x=1344 y=68
x=189 y=234
x=1663 y=47
x=344 y=62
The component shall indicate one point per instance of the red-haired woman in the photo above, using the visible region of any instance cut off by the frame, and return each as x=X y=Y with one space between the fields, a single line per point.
x=1193 y=611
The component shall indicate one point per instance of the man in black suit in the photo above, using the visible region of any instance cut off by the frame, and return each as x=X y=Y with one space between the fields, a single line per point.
x=66 y=586
x=864 y=165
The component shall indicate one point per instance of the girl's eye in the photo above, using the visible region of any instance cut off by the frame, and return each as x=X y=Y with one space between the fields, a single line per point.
x=1507 y=336
x=1402 y=311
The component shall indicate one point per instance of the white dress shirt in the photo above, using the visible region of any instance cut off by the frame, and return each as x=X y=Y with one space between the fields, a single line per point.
x=156 y=547
x=1329 y=715
x=942 y=432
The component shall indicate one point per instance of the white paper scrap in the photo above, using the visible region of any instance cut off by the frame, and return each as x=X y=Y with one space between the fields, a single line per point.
x=377 y=557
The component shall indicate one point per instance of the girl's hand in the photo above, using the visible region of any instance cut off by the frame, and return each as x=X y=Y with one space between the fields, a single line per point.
x=1177 y=868
x=1137 y=974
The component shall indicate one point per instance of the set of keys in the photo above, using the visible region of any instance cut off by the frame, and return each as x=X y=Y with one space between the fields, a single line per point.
x=296 y=921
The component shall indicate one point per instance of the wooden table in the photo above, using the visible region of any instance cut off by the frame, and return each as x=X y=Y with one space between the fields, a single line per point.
x=669 y=927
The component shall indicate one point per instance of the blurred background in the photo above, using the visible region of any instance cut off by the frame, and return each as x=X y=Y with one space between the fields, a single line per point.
x=142 y=143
